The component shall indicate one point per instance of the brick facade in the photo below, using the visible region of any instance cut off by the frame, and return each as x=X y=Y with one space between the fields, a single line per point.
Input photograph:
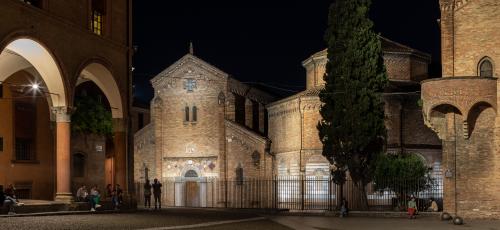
x=61 y=32
x=462 y=108
x=226 y=133
x=293 y=120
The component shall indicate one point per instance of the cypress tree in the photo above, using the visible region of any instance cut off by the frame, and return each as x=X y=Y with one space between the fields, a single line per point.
x=352 y=128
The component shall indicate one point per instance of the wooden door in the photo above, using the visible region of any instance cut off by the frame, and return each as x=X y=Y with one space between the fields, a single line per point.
x=192 y=194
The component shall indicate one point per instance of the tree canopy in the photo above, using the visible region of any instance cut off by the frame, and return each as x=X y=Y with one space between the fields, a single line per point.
x=91 y=117
x=352 y=128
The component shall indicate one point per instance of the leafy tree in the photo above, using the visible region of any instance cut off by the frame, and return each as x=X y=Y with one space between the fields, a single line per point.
x=403 y=174
x=352 y=128
x=91 y=117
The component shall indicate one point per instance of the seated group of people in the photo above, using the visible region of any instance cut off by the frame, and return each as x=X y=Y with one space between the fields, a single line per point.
x=8 y=199
x=413 y=208
x=115 y=195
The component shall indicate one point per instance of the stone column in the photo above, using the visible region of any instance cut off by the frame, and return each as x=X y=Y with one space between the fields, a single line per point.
x=120 y=147
x=262 y=118
x=248 y=113
x=63 y=157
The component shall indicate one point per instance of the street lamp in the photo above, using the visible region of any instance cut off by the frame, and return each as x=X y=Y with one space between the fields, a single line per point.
x=35 y=86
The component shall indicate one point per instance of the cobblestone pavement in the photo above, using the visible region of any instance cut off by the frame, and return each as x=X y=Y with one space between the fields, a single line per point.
x=139 y=220
x=353 y=223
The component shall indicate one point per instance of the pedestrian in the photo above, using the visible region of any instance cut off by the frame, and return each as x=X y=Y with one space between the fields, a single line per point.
x=82 y=194
x=157 y=193
x=147 y=194
x=94 y=199
x=344 y=208
x=412 y=207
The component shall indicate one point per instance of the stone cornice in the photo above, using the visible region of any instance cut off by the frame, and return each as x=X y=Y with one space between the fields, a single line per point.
x=284 y=108
x=448 y=5
x=317 y=58
x=148 y=129
x=244 y=90
x=245 y=133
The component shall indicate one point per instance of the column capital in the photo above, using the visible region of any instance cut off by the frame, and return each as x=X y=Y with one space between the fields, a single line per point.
x=61 y=113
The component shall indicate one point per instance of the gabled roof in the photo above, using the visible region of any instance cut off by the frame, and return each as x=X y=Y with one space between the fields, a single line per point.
x=188 y=58
x=388 y=46
x=395 y=47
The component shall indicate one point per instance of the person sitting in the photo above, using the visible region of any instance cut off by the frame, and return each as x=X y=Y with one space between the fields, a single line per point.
x=11 y=192
x=117 y=196
x=344 y=209
x=434 y=206
x=8 y=201
x=82 y=194
x=94 y=198
x=109 y=192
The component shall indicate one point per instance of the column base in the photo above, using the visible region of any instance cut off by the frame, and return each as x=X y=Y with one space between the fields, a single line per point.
x=64 y=197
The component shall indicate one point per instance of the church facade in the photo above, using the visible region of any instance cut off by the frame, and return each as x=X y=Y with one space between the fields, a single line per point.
x=207 y=127
x=204 y=125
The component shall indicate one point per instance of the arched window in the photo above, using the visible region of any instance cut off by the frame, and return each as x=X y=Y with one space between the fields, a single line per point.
x=186 y=113
x=486 y=68
x=239 y=175
x=195 y=114
x=78 y=165
x=221 y=98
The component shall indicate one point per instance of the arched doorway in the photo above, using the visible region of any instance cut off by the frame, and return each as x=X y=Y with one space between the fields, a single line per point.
x=31 y=86
x=96 y=81
x=191 y=188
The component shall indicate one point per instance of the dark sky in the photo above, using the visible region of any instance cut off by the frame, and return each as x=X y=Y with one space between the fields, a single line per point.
x=262 y=41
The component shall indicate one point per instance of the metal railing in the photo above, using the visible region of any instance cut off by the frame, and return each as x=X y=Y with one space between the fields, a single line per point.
x=292 y=193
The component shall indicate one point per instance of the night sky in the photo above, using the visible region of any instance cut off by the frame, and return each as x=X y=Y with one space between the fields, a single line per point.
x=262 y=42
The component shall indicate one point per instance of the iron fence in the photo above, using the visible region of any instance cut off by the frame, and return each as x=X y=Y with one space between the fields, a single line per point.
x=293 y=193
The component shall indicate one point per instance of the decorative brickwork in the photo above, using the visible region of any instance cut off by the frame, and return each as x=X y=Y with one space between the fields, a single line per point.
x=463 y=110
x=215 y=143
x=293 y=120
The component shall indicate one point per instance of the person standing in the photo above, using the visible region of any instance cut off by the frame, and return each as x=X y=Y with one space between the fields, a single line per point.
x=412 y=207
x=147 y=194
x=157 y=193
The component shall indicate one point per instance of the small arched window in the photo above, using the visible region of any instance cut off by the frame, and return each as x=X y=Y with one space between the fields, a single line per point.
x=221 y=98
x=186 y=113
x=239 y=175
x=195 y=114
x=486 y=68
x=78 y=165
